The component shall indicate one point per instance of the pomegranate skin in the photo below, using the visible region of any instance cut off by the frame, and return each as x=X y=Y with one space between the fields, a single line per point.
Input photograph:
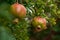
x=18 y=10
x=39 y=21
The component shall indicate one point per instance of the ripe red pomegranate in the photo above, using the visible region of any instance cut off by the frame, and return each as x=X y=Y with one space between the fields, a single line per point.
x=18 y=10
x=39 y=21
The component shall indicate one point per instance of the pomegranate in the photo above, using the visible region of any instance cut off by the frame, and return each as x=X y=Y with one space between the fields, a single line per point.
x=16 y=21
x=18 y=10
x=39 y=22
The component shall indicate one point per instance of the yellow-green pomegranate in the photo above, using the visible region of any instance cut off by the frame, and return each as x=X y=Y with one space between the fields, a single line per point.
x=39 y=23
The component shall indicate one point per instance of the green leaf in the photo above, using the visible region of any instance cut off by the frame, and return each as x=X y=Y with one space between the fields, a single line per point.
x=5 y=34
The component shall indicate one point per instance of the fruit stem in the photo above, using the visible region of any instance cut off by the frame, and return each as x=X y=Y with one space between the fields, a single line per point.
x=21 y=1
x=17 y=1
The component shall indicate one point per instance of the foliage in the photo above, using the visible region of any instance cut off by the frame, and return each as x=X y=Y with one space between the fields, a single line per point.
x=49 y=9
